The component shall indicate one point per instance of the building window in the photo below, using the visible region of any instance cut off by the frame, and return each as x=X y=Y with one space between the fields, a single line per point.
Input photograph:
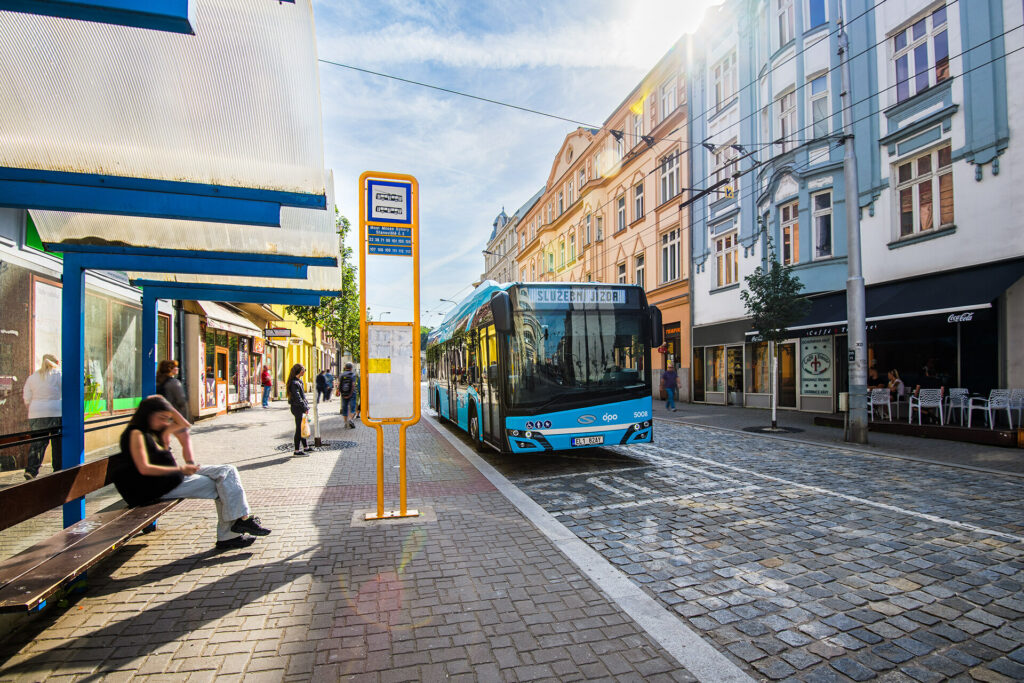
x=669 y=176
x=925 y=188
x=551 y=261
x=549 y=212
x=819 y=106
x=822 y=215
x=561 y=253
x=816 y=15
x=533 y=271
x=600 y=228
x=638 y=127
x=620 y=148
x=587 y=231
x=727 y=259
x=787 y=121
x=638 y=201
x=670 y=255
x=921 y=55
x=725 y=162
x=583 y=178
x=786 y=25
x=561 y=203
x=620 y=213
x=790 y=234
x=523 y=275
x=590 y=278
x=724 y=76
x=572 y=246
x=668 y=99
x=640 y=270
x=621 y=273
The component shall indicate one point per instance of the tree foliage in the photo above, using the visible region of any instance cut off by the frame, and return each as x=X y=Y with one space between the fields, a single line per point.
x=772 y=298
x=339 y=315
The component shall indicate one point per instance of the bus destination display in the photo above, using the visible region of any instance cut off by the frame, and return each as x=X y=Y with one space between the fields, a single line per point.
x=574 y=295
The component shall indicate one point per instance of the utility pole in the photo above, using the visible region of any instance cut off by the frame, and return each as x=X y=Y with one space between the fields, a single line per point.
x=855 y=315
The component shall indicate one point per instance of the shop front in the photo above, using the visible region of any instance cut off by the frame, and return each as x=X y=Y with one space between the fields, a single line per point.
x=952 y=325
x=222 y=341
x=673 y=302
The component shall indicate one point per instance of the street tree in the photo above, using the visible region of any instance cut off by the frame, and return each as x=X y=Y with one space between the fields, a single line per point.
x=772 y=298
x=338 y=316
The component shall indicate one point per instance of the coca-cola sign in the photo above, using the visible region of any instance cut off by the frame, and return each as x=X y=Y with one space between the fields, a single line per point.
x=960 y=317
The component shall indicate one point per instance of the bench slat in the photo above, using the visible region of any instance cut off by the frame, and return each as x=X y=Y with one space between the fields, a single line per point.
x=30 y=558
x=24 y=501
x=30 y=589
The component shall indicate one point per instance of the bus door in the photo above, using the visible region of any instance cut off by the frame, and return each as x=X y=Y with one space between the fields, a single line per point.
x=491 y=428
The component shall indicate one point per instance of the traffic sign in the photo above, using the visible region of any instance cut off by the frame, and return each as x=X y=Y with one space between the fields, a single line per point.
x=388 y=201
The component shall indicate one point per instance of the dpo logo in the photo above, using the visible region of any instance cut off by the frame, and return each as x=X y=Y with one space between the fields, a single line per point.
x=961 y=318
x=586 y=419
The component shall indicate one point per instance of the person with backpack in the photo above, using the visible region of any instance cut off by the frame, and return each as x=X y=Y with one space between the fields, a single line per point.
x=266 y=382
x=348 y=389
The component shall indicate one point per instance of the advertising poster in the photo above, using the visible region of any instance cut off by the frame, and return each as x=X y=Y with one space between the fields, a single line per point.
x=816 y=367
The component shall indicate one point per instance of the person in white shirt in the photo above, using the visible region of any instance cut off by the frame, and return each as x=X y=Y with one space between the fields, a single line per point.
x=43 y=397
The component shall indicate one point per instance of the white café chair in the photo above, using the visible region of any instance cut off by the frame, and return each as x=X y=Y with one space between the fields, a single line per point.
x=1017 y=403
x=959 y=399
x=926 y=398
x=998 y=399
x=878 y=399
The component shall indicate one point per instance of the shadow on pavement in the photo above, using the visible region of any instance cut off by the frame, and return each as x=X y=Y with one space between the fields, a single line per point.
x=134 y=637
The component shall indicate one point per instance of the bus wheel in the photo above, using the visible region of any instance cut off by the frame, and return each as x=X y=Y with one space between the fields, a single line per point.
x=474 y=429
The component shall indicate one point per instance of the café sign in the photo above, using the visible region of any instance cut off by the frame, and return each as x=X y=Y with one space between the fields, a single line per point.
x=966 y=317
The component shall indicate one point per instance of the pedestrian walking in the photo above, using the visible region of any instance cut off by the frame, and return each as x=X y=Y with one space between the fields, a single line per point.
x=169 y=386
x=320 y=385
x=146 y=471
x=328 y=384
x=266 y=382
x=348 y=389
x=42 y=395
x=670 y=384
x=299 y=407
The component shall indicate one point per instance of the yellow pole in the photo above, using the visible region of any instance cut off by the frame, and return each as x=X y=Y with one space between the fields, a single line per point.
x=401 y=470
x=380 y=470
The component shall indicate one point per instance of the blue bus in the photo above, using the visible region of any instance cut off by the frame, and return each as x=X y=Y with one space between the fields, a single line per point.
x=539 y=367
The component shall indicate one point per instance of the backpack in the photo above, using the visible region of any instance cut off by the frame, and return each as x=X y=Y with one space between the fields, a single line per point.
x=345 y=385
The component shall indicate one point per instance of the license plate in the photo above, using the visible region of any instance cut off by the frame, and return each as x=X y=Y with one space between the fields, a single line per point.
x=587 y=440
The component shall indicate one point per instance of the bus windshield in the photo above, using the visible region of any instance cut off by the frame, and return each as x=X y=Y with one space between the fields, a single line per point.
x=580 y=353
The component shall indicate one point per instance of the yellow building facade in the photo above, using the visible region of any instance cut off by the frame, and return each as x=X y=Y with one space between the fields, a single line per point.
x=610 y=211
x=301 y=347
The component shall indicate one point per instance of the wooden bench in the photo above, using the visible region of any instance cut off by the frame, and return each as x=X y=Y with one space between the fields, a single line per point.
x=31 y=577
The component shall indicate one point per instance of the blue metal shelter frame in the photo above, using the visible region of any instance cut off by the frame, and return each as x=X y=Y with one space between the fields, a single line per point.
x=79 y=258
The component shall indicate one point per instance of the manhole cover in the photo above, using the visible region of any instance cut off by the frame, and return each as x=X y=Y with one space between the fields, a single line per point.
x=773 y=430
x=325 y=445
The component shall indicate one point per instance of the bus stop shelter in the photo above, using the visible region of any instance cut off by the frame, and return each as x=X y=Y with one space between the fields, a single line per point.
x=150 y=139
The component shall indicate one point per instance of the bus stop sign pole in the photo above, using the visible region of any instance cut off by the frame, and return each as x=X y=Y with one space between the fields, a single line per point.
x=389 y=371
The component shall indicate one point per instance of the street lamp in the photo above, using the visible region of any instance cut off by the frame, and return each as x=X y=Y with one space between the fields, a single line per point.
x=380 y=316
x=491 y=253
x=449 y=301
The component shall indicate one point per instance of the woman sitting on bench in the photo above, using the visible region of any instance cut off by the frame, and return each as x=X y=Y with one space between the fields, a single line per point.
x=147 y=472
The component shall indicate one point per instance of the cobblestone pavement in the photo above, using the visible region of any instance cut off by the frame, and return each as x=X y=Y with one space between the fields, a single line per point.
x=803 y=561
x=478 y=594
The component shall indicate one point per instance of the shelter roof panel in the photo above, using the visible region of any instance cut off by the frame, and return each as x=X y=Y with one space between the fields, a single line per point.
x=303 y=232
x=237 y=104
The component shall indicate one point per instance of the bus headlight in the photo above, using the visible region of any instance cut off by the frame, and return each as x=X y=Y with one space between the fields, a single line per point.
x=515 y=432
x=528 y=435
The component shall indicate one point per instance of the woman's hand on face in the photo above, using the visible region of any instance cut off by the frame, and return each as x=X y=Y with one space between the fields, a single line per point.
x=189 y=469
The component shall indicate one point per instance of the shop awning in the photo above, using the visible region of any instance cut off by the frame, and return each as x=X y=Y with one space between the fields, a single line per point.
x=223 y=318
x=957 y=291
x=236 y=105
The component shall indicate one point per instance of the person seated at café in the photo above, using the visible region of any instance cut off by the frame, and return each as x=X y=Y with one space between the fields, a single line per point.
x=896 y=388
x=874 y=381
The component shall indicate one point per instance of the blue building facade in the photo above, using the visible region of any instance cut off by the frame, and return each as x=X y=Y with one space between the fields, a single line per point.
x=931 y=125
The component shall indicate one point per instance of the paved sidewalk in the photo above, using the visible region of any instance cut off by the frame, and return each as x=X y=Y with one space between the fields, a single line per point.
x=1009 y=460
x=478 y=594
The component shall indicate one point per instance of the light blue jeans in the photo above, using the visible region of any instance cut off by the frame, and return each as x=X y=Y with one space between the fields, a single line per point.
x=670 y=402
x=221 y=484
x=266 y=397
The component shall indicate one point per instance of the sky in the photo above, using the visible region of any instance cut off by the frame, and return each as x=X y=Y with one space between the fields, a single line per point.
x=576 y=59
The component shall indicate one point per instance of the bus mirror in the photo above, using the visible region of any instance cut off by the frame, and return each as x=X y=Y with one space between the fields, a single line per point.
x=501 y=308
x=657 y=331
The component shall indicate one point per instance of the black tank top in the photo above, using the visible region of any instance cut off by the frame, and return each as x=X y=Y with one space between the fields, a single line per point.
x=137 y=488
